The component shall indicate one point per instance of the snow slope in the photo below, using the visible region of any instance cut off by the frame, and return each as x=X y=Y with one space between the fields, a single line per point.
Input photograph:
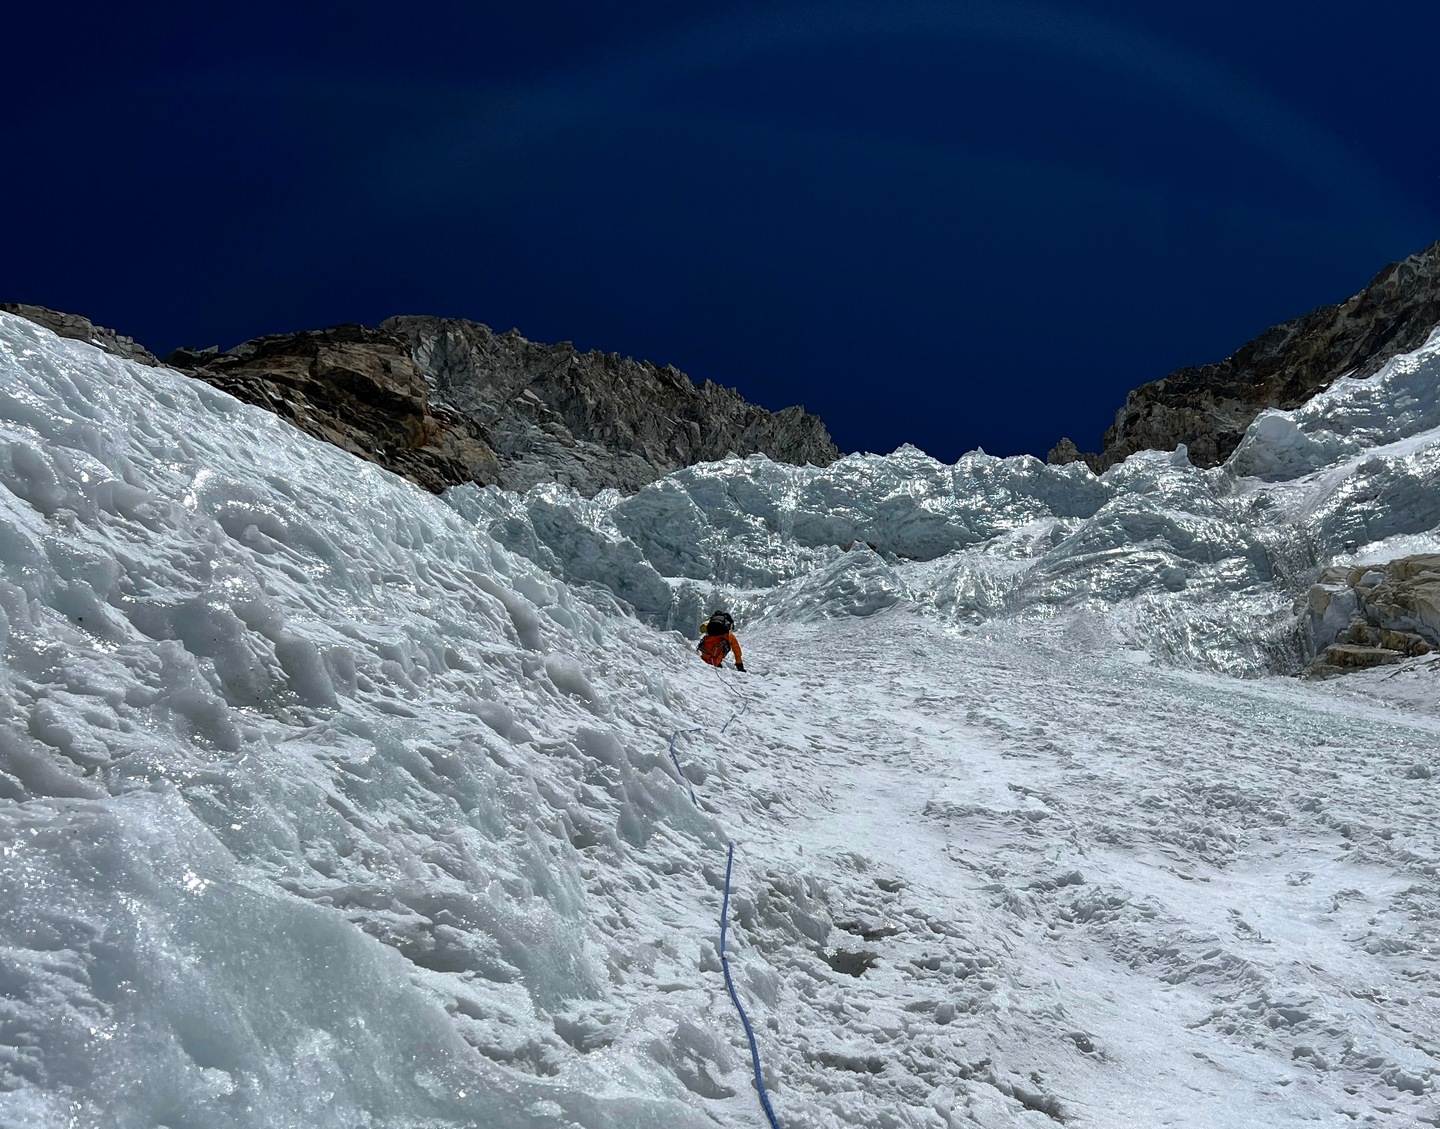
x=326 y=802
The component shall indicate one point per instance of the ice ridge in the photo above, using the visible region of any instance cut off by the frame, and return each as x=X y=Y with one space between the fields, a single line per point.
x=1198 y=566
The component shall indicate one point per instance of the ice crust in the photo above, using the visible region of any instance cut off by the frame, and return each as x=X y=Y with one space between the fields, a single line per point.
x=326 y=802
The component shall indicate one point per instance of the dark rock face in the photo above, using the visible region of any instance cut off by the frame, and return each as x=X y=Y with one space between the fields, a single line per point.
x=444 y=402
x=76 y=328
x=356 y=388
x=1209 y=408
x=594 y=420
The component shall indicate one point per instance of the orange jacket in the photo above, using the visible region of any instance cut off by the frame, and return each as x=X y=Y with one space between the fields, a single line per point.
x=714 y=648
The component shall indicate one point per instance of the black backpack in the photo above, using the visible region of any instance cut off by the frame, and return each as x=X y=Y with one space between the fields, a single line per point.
x=721 y=623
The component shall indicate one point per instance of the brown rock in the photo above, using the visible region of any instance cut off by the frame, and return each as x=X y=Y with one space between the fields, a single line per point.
x=1364 y=634
x=1392 y=607
x=357 y=388
x=1342 y=658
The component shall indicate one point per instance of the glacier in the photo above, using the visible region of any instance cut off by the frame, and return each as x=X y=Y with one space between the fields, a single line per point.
x=328 y=802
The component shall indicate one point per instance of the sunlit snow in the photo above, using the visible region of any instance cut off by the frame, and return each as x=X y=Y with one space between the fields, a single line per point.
x=325 y=802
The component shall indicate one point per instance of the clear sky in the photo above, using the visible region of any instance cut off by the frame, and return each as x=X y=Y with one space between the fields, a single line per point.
x=953 y=224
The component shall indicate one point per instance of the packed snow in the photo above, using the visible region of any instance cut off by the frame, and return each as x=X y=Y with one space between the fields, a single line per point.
x=325 y=802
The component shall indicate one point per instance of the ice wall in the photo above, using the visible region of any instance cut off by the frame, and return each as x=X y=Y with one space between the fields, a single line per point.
x=1184 y=561
x=318 y=807
x=1199 y=567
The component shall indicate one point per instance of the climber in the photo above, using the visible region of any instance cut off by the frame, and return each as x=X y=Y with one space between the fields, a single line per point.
x=717 y=639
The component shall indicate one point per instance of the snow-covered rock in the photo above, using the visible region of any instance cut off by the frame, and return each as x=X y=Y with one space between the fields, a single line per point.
x=1398 y=403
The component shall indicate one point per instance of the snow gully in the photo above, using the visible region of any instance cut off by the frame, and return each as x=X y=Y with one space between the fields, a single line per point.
x=725 y=904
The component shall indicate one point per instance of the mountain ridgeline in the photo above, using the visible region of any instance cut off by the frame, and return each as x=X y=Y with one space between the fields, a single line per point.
x=444 y=401
x=1208 y=408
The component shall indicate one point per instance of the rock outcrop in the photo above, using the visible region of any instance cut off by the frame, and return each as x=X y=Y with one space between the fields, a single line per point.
x=445 y=401
x=1371 y=615
x=594 y=420
x=357 y=388
x=1208 y=408
x=76 y=328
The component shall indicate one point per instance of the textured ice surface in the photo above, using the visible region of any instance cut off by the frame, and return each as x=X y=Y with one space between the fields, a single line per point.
x=310 y=809
x=1395 y=404
x=1155 y=541
x=1200 y=567
x=325 y=802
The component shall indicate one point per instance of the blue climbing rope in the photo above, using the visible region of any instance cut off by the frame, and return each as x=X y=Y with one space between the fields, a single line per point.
x=735 y=997
x=674 y=737
x=725 y=904
x=734 y=693
x=675 y=760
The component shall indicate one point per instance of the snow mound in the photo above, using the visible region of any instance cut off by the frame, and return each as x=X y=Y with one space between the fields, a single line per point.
x=1399 y=402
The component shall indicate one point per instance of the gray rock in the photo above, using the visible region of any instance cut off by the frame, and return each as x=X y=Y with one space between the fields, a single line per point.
x=594 y=420
x=1064 y=452
x=78 y=328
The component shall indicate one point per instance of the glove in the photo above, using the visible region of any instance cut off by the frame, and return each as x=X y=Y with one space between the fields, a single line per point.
x=741 y=668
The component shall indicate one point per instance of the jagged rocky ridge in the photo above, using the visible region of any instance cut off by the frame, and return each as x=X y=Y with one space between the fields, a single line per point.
x=1208 y=408
x=445 y=401
x=595 y=420
x=77 y=328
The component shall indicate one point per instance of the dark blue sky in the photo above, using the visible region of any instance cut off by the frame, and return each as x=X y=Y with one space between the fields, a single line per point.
x=954 y=224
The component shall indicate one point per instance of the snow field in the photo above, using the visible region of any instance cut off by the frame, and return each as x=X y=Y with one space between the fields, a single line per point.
x=1157 y=899
x=325 y=802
